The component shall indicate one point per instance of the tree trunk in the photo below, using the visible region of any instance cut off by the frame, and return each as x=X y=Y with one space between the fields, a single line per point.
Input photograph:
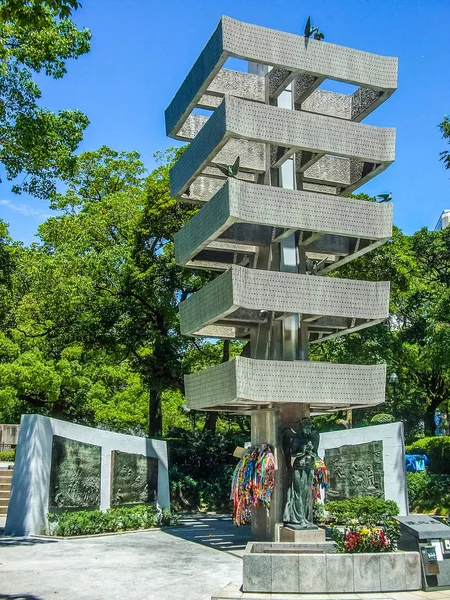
x=430 y=425
x=211 y=421
x=212 y=416
x=154 y=414
x=349 y=419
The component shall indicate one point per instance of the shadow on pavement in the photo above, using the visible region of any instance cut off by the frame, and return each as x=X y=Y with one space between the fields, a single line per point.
x=215 y=531
x=21 y=541
x=19 y=597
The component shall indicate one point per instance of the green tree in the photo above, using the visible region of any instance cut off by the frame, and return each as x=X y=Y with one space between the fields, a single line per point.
x=415 y=340
x=105 y=275
x=7 y=261
x=445 y=129
x=35 y=143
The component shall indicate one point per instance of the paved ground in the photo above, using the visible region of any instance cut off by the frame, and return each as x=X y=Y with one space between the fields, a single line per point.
x=189 y=562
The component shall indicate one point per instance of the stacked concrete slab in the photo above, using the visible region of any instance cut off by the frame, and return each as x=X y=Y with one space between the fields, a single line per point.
x=273 y=245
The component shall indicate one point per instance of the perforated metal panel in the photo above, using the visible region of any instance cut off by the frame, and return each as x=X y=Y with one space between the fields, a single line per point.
x=236 y=118
x=288 y=52
x=284 y=293
x=333 y=154
x=241 y=202
x=244 y=383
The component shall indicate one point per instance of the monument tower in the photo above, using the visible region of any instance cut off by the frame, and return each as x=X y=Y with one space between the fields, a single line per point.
x=279 y=223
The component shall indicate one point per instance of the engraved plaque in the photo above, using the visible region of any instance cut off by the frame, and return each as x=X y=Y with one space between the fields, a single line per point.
x=355 y=470
x=134 y=478
x=75 y=474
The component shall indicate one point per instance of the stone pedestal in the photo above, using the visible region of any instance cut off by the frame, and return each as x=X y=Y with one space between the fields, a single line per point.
x=283 y=569
x=302 y=536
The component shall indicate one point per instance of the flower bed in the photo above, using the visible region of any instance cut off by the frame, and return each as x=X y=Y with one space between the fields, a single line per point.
x=366 y=537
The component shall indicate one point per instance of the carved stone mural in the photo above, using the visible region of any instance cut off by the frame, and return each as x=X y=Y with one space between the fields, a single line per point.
x=355 y=470
x=134 y=478
x=75 y=474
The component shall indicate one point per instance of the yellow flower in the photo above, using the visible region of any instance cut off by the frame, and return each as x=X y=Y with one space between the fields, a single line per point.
x=353 y=521
x=374 y=529
x=364 y=531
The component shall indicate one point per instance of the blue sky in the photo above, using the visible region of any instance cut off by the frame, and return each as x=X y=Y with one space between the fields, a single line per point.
x=143 y=49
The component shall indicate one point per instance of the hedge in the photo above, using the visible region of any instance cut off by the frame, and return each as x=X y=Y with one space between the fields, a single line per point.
x=429 y=492
x=437 y=449
x=362 y=509
x=382 y=419
x=89 y=522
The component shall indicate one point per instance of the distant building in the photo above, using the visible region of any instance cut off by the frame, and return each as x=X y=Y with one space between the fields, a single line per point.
x=444 y=220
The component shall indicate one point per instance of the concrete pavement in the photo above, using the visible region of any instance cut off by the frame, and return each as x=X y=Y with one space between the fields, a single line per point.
x=188 y=562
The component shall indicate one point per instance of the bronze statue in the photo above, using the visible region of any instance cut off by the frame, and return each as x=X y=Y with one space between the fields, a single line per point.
x=300 y=451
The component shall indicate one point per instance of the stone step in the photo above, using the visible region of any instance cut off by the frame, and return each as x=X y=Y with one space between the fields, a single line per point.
x=233 y=591
x=4 y=487
x=4 y=494
x=6 y=474
x=4 y=502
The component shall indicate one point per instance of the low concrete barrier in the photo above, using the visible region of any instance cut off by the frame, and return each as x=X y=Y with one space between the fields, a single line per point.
x=287 y=568
x=30 y=491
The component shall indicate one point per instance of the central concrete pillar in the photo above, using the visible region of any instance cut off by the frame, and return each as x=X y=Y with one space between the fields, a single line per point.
x=287 y=340
x=267 y=427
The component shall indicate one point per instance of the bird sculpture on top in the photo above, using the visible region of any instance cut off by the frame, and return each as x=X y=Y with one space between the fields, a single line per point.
x=310 y=30
x=386 y=197
x=230 y=170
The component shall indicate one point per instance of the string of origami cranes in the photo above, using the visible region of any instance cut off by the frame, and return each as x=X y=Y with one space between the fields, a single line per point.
x=254 y=481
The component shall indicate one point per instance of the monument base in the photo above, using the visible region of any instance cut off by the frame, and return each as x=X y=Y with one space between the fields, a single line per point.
x=308 y=568
x=301 y=536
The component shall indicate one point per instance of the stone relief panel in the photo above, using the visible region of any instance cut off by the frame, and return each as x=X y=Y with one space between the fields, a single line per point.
x=355 y=470
x=74 y=475
x=134 y=478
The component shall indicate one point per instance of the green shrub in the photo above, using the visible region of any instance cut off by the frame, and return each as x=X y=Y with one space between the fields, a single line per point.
x=362 y=509
x=89 y=522
x=382 y=419
x=429 y=492
x=318 y=512
x=7 y=455
x=437 y=449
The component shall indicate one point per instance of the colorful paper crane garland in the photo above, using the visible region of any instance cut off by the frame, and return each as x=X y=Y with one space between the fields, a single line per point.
x=320 y=478
x=253 y=482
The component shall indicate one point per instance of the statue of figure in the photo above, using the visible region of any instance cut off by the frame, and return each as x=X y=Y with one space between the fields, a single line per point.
x=300 y=450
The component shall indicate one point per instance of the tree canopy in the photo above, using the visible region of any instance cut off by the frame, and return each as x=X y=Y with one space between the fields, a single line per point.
x=445 y=129
x=89 y=325
x=90 y=313
x=103 y=285
x=37 y=145
x=415 y=341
